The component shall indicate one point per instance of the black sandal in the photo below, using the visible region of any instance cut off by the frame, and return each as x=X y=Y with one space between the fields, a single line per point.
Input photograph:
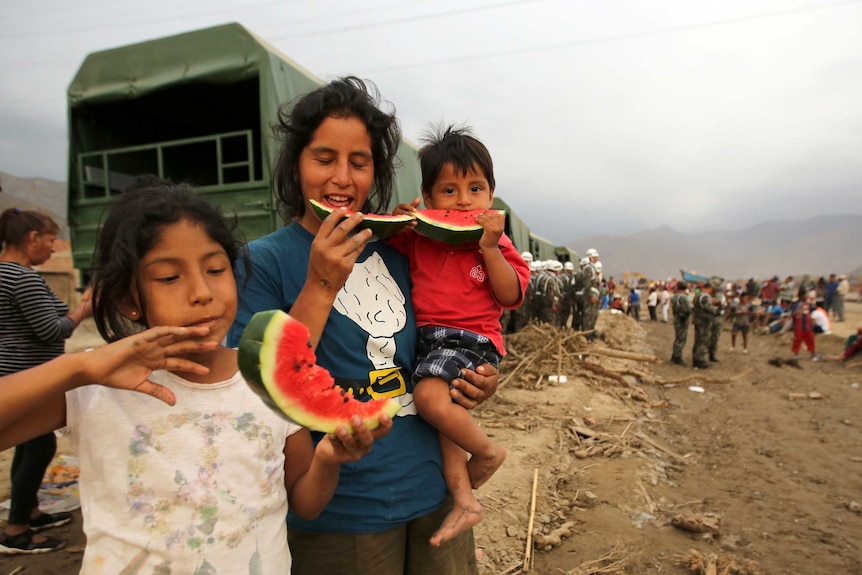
x=23 y=544
x=48 y=520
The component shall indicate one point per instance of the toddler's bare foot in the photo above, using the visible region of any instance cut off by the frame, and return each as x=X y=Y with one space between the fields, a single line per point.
x=481 y=468
x=463 y=516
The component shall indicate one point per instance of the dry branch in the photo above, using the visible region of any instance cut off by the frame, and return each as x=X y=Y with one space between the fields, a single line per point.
x=661 y=448
x=702 y=379
x=528 y=554
x=608 y=352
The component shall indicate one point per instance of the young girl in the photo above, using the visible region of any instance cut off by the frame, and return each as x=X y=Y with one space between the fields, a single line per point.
x=202 y=487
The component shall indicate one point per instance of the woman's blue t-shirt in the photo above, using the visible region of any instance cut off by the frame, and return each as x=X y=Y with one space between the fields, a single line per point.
x=369 y=346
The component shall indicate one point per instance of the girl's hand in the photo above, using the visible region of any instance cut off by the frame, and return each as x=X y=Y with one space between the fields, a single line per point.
x=474 y=387
x=335 y=249
x=406 y=208
x=493 y=224
x=342 y=446
x=127 y=363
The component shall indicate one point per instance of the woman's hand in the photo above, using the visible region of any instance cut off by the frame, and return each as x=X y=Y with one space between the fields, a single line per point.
x=335 y=249
x=474 y=387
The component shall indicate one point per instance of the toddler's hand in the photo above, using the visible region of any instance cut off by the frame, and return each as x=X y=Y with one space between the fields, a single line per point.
x=493 y=225
x=402 y=208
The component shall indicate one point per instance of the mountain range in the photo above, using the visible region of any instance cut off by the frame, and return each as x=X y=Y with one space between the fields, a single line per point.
x=40 y=194
x=817 y=247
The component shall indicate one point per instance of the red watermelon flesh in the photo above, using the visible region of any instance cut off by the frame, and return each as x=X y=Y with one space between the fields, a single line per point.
x=451 y=226
x=278 y=362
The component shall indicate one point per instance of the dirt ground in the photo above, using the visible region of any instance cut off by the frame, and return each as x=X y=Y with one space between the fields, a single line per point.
x=636 y=473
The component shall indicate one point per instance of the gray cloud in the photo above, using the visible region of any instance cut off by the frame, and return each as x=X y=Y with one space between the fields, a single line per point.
x=612 y=116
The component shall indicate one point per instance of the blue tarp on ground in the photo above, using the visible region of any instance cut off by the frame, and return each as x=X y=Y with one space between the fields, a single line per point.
x=693 y=277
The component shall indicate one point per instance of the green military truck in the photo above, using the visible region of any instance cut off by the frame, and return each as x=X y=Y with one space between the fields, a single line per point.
x=197 y=107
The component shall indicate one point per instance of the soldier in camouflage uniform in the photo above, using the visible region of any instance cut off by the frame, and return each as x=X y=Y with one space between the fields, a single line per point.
x=593 y=273
x=717 y=320
x=579 y=286
x=681 y=318
x=538 y=296
x=521 y=317
x=568 y=307
x=556 y=271
x=705 y=311
x=547 y=296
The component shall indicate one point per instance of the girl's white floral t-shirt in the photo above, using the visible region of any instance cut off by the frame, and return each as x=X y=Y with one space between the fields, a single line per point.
x=197 y=488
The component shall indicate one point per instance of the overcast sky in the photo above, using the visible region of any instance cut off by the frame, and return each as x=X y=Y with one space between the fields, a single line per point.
x=604 y=116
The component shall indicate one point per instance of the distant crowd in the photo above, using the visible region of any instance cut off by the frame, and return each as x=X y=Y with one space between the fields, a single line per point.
x=568 y=297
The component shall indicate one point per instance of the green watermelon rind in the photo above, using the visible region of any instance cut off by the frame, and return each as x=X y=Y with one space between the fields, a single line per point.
x=257 y=357
x=381 y=226
x=449 y=233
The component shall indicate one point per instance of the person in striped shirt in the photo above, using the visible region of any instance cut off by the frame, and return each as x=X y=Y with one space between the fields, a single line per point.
x=34 y=326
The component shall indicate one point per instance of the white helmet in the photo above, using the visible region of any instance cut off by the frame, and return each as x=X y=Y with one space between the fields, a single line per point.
x=569 y=266
x=598 y=266
x=584 y=261
x=528 y=257
x=534 y=266
x=592 y=253
x=556 y=266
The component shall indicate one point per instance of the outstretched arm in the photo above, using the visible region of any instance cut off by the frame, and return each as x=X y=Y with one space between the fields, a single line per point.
x=33 y=402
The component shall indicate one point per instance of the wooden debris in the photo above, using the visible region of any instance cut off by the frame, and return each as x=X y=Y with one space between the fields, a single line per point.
x=712 y=564
x=792 y=396
x=697 y=523
x=612 y=563
x=555 y=537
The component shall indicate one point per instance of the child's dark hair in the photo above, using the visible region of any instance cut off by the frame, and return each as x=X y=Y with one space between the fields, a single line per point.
x=347 y=97
x=455 y=145
x=133 y=226
x=16 y=225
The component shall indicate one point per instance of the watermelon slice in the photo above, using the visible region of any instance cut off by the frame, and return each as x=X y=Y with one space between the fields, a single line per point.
x=277 y=361
x=381 y=226
x=451 y=226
